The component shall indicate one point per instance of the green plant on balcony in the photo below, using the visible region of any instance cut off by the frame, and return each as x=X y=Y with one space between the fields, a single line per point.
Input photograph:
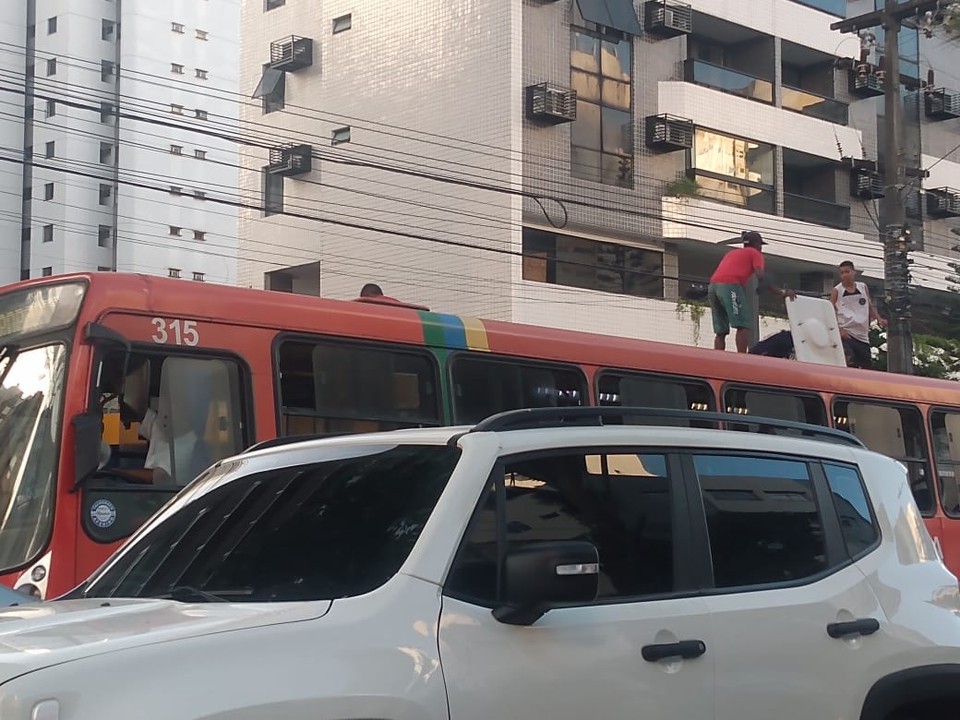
x=695 y=310
x=683 y=186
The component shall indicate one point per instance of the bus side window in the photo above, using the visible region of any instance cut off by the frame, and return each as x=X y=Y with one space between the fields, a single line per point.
x=334 y=388
x=896 y=432
x=945 y=427
x=634 y=390
x=776 y=405
x=486 y=386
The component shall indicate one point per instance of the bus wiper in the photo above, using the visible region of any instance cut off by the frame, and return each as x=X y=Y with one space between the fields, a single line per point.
x=8 y=354
x=187 y=592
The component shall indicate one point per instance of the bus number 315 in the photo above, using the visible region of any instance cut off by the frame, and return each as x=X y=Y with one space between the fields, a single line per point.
x=178 y=332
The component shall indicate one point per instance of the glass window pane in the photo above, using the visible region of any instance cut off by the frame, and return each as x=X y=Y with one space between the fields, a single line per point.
x=776 y=405
x=585 y=131
x=585 y=164
x=616 y=94
x=615 y=59
x=617 y=132
x=616 y=170
x=734 y=157
x=946 y=445
x=762 y=519
x=583 y=55
x=853 y=508
x=896 y=432
x=586 y=85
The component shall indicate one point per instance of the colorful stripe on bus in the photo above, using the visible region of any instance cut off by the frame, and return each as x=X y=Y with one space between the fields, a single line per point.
x=454 y=332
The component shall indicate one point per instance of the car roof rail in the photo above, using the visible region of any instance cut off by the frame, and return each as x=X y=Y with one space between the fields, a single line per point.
x=289 y=439
x=530 y=418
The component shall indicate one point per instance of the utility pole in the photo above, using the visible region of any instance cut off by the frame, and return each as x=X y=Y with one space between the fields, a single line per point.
x=893 y=233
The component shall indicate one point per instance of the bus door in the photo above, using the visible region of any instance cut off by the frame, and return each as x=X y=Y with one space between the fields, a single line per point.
x=945 y=433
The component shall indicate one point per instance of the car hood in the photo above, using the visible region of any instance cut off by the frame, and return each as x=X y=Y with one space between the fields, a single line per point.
x=44 y=634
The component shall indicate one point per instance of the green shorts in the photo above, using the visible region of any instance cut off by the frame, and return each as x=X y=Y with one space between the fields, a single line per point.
x=728 y=305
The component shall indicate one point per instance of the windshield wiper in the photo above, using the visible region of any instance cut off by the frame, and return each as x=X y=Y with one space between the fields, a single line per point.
x=187 y=592
x=8 y=354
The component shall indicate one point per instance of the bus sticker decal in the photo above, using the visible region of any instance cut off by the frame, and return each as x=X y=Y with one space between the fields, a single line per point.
x=103 y=513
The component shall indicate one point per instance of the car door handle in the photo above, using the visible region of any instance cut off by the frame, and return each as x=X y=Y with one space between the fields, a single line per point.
x=863 y=626
x=684 y=649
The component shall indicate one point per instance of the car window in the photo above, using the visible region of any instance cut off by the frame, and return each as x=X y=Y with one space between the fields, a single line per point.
x=323 y=530
x=762 y=519
x=853 y=508
x=621 y=502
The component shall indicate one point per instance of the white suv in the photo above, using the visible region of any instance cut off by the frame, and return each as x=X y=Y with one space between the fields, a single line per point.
x=540 y=565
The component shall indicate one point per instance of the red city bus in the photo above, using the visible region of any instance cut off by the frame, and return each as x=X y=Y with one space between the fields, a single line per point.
x=116 y=390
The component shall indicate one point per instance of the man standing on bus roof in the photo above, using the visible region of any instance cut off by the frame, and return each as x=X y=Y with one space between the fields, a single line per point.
x=855 y=309
x=728 y=292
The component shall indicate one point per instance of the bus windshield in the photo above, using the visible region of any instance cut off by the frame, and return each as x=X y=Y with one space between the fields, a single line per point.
x=31 y=385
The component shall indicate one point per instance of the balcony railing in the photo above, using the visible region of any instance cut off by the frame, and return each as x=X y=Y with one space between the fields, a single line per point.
x=734 y=191
x=816 y=106
x=821 y=212
x=727 y=80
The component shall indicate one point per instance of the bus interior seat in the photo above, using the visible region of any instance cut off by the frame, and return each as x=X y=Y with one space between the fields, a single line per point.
x=643 y=392
x=879 y=428
x=776 y=406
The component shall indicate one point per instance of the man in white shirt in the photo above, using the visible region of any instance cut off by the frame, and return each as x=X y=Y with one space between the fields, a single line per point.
x=855 y=310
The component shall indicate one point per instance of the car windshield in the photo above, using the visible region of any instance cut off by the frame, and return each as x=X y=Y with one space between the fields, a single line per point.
x=336 y=527
x=31 y=384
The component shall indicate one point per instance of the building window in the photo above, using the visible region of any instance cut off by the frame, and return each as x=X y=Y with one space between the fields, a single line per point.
x=50 y=149
x=594 y=265
x=176 y=109
x=271 y=89
x=106 y=111
x=47 y=271
x=601 y=139
x=106 y=153
x=48 y=191
x=340 y=136
x=106 y=30
x=173 y=272
x=344 y=22
x=198 y=276
x=201 y=74
x=51 y=25
x=176 y=190
x=200 y=154
x=174 y=230
x=176 y=149
x=106 y=70
x=272 y=193
x=106 y=192
x=176 y=27
x=733 y=170
x=273 y=4
x=103 y=236
x=201 y=34
x=51 y=108
x=48 y=233
x=176 y=68
x=200 y=114
x=199 y=195
x=199 y=235
x=51 y=67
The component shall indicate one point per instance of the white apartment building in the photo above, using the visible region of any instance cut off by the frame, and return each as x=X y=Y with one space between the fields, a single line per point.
x=568 y=163
x=118 y=124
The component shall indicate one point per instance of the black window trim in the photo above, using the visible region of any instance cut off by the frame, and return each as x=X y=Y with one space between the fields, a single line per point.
x=515 y=360
x=835 y=548
x=929 y=461
x=404 y=348
x=835 y=515
x=684 y=560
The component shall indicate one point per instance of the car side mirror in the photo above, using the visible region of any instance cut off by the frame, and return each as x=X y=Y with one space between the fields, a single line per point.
x=87 y=433
x=542 y=575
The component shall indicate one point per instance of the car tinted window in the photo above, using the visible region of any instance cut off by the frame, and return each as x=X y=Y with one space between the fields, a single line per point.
x=853 y=508
x=621 y=502
x=319 y=531
x=762 y=519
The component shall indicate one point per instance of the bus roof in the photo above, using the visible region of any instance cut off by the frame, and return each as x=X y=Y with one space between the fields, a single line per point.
x=146 y=294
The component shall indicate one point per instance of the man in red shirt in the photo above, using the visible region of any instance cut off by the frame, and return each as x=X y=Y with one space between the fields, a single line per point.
x=728 y=293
